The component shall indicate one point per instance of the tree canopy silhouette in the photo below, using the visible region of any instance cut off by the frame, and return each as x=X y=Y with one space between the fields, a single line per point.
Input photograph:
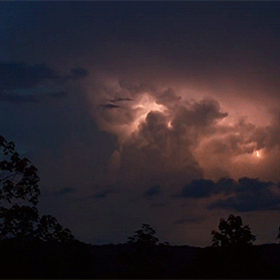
x=145 y=258
x=232 y=233
x=144 y=236
x=19 y=192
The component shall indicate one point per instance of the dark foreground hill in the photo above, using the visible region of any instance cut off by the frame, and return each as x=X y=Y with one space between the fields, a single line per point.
x=37 y=259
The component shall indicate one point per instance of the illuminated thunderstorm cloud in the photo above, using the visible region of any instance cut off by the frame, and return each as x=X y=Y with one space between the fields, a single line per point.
x=169 y=139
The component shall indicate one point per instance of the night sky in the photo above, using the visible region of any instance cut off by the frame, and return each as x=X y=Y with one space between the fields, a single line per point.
x=166 y=113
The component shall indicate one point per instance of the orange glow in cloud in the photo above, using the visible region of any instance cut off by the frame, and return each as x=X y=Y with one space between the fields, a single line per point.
x=258 y=154
x=169 y=124
x=143 y=107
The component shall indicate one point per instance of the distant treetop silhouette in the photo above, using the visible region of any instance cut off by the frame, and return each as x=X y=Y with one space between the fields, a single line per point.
x=144 y=236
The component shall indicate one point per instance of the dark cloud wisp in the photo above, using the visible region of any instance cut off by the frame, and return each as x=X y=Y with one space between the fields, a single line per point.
x=15 y=98
x=198 y=189
x=244 y=195
x=103 y=194
x=65 y=191
x=153 y=192
x=251 y=195
x=17 y=75
x=23 y=83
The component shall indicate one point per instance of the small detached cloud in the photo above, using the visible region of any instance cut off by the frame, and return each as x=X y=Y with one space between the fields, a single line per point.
x=159 y=204
x=189 y=220
x=120 y=99
x=109 y=106
x=153 y=192
x=65 y=191
x=18 y=99
x=103 y=193
x=77 y=73
x=112 y=104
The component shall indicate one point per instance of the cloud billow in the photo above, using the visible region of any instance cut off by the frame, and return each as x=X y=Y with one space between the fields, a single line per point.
x=157 y=130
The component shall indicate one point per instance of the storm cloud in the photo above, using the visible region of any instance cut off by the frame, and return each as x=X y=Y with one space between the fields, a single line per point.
x=157 y=130
x=145 y=94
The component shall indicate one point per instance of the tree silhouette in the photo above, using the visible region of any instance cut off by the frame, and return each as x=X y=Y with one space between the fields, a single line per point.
x=48 y=229
x=232 y=233
x=19 y=192
x=146 y=258
x=144 y=236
